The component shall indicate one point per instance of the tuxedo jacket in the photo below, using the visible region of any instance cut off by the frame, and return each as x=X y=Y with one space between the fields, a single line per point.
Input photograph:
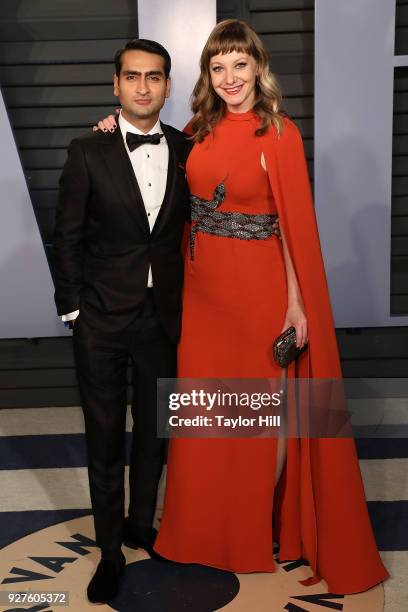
x=102 y=242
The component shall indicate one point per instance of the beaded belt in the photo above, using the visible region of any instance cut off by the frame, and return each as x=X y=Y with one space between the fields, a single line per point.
x=228 y=224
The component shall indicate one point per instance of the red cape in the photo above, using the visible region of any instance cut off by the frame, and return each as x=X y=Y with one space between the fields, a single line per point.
x=336 y=530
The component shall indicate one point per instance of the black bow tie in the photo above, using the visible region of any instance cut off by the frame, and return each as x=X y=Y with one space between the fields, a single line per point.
x=137 y=140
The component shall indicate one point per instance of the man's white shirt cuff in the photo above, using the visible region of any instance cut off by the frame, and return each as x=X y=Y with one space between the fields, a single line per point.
x=71 y=316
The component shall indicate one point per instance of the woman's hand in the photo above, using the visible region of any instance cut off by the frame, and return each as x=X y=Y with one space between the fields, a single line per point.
x=108 y=124
x=295 y=315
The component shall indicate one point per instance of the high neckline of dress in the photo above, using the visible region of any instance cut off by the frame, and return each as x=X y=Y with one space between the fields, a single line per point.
x=247 y=116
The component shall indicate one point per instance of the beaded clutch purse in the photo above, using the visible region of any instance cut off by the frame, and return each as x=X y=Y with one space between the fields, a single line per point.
x=285 y=349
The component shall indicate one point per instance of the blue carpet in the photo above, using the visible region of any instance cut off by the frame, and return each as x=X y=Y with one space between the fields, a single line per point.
x=382 y=448
x=16 y=525
x=69 y=450
x=46 y=451
x=390 y=524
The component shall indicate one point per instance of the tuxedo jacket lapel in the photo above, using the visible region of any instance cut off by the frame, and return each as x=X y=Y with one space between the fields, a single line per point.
x=169 y=195
x=120 y=168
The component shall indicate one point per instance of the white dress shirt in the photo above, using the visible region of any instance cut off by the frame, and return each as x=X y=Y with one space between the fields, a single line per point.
x=149 y=163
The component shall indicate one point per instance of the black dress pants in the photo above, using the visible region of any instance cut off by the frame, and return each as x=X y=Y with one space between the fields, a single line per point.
x=101 y=362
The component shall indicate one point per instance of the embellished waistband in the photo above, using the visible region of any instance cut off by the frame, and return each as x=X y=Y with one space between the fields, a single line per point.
x=244 y=226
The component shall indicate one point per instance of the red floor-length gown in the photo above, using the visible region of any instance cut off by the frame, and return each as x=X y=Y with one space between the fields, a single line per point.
x=220 y=495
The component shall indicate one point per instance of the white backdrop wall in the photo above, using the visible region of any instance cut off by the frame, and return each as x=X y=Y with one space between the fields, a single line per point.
x=354 y=76
x=183 y=28
x=27 y=308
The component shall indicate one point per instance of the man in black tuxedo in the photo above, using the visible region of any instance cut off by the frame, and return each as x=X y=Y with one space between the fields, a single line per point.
x=118 y=273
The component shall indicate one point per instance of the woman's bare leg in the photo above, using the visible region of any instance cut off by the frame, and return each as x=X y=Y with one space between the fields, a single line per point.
x=282 y=439
x=280 y=458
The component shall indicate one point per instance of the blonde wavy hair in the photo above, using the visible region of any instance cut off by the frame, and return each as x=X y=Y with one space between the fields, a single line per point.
x=208 y=108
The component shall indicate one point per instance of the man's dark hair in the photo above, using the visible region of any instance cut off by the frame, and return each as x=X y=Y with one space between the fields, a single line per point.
x=149 y=46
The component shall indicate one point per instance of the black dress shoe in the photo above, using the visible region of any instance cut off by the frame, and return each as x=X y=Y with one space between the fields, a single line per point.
x=141 y=538
x=105 y=582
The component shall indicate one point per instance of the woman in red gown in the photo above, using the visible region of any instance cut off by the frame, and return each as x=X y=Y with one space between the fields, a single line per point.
x=239 y=294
